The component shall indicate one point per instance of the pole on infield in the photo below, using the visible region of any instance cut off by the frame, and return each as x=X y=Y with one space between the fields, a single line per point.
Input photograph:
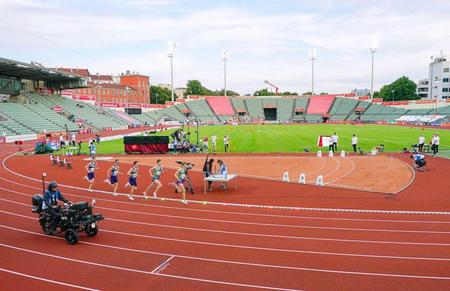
x=43 y=182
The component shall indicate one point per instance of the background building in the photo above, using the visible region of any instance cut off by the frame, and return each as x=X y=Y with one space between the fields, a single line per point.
x=423 y=88
x=440 y=78
x=124 y=89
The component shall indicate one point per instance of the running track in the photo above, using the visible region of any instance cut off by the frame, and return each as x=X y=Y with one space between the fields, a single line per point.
x=155 y=245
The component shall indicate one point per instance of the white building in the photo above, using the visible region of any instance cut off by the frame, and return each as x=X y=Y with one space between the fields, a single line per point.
x=440 y=78
x=423 y=88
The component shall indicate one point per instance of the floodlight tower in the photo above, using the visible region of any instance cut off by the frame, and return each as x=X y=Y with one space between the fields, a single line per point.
x=225 y=55
x=312 y=57
x=171 y=47
x=373 y=49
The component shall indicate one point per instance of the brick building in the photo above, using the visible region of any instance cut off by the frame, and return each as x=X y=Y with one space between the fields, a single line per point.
x=124 y=89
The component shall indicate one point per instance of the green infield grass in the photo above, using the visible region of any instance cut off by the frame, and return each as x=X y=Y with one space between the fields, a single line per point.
x=295 y=138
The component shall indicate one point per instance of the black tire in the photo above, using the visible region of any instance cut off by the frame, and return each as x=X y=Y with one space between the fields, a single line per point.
x=71 y=236
x=91 y=231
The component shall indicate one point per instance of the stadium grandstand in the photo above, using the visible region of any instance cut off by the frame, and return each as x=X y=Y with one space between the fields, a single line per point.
x=35 y=104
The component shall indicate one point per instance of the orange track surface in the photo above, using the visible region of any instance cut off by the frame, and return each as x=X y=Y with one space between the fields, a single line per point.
x=165 y=245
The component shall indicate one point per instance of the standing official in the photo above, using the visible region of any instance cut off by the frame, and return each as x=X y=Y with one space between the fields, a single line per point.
x=354 y=143
x=421 y=143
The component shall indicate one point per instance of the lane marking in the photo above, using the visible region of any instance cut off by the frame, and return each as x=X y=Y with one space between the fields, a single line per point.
x=149 y=273
x=230 y=283
x=163 y=265
x=348 y=173
x=247 y=223
x=46 y=280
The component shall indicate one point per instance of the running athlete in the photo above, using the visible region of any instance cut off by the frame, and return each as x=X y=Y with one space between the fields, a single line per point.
x=155 y=172
x=90 y=169
x=113 y=179
x=180 y=176
x=132 y=180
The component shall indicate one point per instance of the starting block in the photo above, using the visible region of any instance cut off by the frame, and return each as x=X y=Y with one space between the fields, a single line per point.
x=319 y=181
x=343 y=154
x=285 y=177
x=302 y=178
x=319 y=154
x=330 y=154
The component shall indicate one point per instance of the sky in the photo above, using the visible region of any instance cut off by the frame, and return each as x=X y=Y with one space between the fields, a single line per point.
x=267 y=40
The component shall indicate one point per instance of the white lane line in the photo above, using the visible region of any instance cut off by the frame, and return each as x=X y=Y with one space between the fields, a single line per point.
x=166 y=254
x=249 y=223
x=273 y=249
x=162 y=266
x=147 y=272
x=237 y=284
x=337 y=167
x=47 y=280
x=295 y=208
x=236 y=212
x=412 y=171
x=348 y=173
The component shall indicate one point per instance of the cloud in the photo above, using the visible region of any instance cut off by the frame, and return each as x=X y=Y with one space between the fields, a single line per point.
x=262 y=46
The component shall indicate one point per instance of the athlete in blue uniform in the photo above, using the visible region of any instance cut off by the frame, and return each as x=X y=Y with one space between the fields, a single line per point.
x=113 y=179
x=132 y=179
x=155 y=172
x=90 y=169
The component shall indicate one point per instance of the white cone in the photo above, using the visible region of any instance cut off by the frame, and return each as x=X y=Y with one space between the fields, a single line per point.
x=319 y=154
x=285 y=177
x=302 y=178
x=319 y=181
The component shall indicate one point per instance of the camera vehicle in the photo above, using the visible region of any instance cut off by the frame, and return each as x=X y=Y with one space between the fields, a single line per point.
x=70 y=218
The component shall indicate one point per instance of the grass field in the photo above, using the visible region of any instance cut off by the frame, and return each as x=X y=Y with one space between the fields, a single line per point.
x=294 y=138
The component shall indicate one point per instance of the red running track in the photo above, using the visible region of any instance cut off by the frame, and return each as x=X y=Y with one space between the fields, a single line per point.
x=165 y=245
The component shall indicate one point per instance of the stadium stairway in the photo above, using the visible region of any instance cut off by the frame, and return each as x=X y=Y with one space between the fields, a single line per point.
x=201 y=109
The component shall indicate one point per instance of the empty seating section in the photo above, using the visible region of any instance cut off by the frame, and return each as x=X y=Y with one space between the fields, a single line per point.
x=319 y=104
x=255 y=108
x=27 y=120
x=201 y=109
x=313 y=117
x=53 y=116
x=173 y=113
x=423 y=111
x=128 y=119
x=221 y=105
x=363 y=105
x=341 y=108
x=378 y=112
x=443 y=111
x=239 y=105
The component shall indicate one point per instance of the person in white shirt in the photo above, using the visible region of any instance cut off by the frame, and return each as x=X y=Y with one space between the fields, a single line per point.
x=334 y=139
x=214 y=142
x=226 y=143
x=421 y=143
x=435 y=144
x=354 y=142
x=61 y=141
x=74 y=139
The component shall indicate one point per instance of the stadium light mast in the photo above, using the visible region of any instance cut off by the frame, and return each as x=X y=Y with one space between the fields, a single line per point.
x=312 y=57
x=225 y=55
x=171 y=47
x=373 y=49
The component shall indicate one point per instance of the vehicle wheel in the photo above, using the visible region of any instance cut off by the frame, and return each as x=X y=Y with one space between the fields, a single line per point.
x=91 y=229
x=71 y=236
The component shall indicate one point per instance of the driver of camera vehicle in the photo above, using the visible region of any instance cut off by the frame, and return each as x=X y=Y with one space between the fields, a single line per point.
x=52 y=195
x=50 y=204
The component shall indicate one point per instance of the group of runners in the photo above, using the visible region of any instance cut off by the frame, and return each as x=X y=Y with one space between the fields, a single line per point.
x=133 y=173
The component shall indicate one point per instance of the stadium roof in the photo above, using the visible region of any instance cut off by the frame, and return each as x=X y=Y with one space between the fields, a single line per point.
x=35 y=72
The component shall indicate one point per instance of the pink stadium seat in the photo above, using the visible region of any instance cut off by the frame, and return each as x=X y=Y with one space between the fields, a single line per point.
x=320 y=104
x=221 y=105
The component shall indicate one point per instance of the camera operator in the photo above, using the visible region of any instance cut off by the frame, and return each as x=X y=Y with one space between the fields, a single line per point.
x=50 y=204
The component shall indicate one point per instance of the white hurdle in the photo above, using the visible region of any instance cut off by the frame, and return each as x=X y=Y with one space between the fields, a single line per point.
x=302 y=178
x=285 y=177
x=319 y=181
